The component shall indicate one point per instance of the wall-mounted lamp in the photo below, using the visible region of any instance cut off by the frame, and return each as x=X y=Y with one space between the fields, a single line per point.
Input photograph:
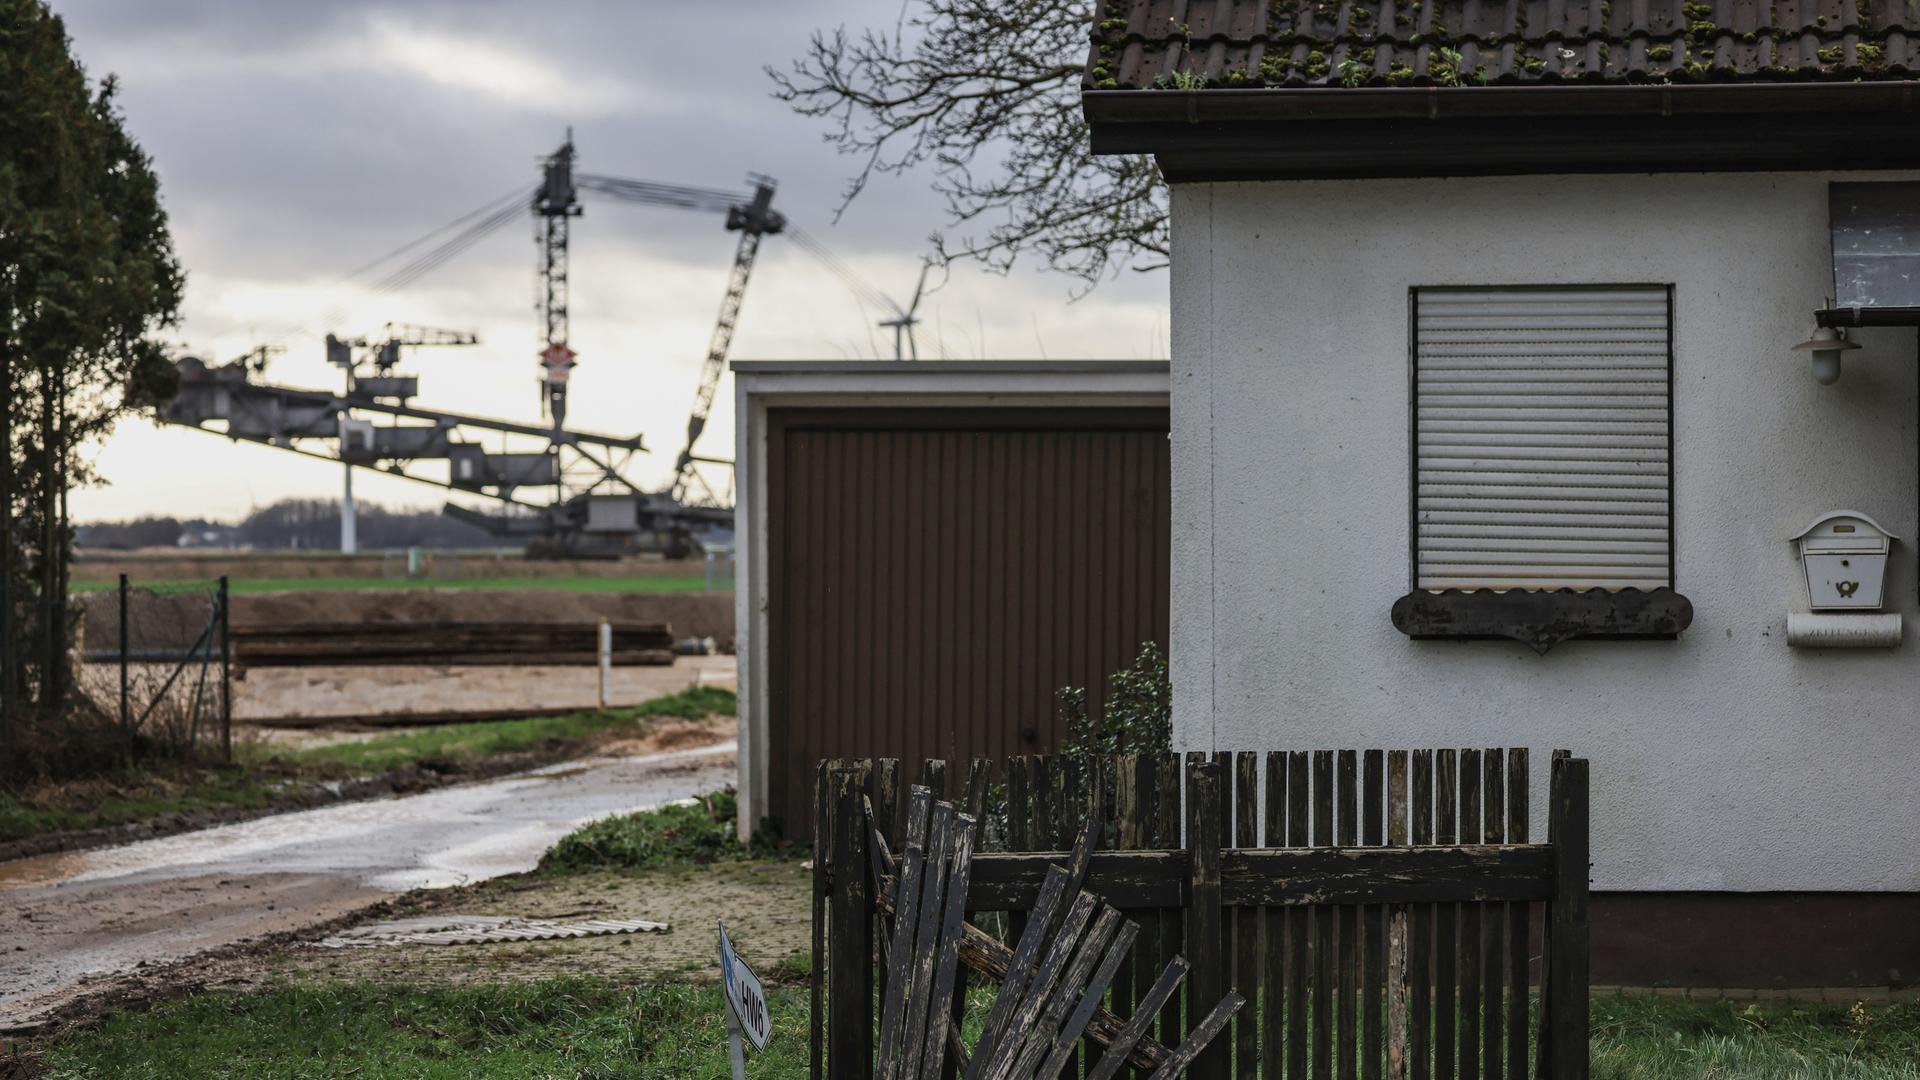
x=1826 y=345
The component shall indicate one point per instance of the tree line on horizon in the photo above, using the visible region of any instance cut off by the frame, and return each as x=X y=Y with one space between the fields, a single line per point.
x=289 y=524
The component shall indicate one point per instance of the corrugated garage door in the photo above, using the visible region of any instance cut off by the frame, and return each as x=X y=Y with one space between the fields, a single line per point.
x=941 y=573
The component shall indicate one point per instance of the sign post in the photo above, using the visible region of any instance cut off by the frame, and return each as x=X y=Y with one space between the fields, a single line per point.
x=746 y=1005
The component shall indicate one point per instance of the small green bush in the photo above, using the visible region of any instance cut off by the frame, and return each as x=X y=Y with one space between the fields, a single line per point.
x=698 y=832
x=1139 y=711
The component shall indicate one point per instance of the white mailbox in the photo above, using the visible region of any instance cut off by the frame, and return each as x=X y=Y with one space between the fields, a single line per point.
x=1845 y=556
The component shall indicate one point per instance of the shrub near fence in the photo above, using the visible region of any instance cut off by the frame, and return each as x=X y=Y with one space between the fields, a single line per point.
x=1385 y=913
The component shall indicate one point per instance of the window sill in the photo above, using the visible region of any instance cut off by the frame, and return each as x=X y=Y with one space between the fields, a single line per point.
x=1541 y=620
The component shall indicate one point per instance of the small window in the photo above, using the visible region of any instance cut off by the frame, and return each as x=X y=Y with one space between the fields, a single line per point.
x=1542 y=445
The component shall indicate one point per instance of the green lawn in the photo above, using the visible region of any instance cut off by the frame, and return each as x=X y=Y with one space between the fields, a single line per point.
x=635 y=583
x=1656 y=1039
x=484 y=738
x=575 y=1028
x=566 y=1028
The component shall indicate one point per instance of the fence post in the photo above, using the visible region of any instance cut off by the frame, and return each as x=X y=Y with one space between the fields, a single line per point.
x=850 y=938
x=126 y=713
x=1205 y=941
x=226 y=679
x=822 y=847
x=1564 y=1040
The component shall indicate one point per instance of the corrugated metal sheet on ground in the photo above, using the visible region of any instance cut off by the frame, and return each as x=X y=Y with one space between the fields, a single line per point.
x=1541 y=438
x=481 y=930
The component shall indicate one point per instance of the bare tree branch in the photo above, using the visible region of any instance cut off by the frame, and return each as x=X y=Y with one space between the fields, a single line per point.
x=986 y=93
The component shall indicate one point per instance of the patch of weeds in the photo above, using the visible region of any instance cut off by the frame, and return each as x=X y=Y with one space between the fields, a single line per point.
x=702 y=831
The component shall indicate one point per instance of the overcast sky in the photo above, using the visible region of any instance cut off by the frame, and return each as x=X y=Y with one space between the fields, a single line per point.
x=297 y=140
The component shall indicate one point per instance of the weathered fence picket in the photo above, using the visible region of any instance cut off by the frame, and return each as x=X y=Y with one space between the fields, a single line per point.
x=1379 y=911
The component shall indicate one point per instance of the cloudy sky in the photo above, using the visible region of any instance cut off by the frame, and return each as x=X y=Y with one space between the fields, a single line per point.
x=297 y=140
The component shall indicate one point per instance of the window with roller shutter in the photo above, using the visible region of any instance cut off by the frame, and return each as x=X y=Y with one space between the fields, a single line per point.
x=1543 y=456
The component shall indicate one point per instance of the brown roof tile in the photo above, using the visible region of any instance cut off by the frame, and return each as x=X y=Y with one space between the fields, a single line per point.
x=1190 y=44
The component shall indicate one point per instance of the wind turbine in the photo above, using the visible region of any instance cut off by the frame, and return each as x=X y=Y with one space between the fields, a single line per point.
x=904 y=321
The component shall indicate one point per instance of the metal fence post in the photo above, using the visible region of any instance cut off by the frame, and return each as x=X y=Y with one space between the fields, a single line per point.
x=226 y=680
x=126 y=712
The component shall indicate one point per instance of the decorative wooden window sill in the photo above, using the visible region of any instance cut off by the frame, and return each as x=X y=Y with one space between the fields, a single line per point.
x=1541 y=620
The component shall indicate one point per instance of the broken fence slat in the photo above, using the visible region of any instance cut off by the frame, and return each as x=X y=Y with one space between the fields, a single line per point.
x=899 y=964
x=1096 y=988
x=1014 y=981
x=1121 y=1047
x=942 y=1016
x=1202 y=1034
x=1040 y=1038
x=926 y=938
x=1019 y=1024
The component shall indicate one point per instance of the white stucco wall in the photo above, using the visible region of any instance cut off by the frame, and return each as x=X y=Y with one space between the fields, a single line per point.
x=1723 y=760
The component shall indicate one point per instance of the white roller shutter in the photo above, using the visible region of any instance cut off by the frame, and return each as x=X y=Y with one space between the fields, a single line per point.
x=1542 y=438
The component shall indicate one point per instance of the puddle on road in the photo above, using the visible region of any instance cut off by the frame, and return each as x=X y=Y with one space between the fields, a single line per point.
x=41 y=869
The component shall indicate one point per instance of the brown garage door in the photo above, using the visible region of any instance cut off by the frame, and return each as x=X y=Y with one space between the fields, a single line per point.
x=941 y=573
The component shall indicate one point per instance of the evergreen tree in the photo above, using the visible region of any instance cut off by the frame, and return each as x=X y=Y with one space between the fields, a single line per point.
x=87 y=276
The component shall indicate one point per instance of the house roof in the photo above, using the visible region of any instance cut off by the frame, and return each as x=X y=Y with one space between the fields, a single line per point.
x=1207 y=44
x=1299 y=89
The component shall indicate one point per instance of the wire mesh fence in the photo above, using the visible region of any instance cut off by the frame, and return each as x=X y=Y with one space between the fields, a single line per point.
x=157 y=661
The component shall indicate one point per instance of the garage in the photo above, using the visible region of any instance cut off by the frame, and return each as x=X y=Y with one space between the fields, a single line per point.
x=930 y=551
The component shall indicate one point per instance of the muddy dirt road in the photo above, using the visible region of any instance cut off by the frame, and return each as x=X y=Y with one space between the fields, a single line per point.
x=69 y=916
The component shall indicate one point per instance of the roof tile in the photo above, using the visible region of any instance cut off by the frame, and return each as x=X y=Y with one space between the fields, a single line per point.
x=1190 y=44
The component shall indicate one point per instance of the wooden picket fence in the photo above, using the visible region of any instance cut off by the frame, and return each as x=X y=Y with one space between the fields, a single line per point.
x=1385 y=914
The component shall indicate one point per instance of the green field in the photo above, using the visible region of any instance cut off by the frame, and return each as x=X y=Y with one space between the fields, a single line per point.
x=638 y=583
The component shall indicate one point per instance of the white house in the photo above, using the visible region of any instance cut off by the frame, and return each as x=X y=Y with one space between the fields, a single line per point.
x=1488 y=428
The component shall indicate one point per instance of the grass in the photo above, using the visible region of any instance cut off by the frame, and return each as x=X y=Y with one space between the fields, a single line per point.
x=701 y=831
x=581 y=1028
x=454 y=742
x=564 y=1028
x=636 y=583
x=140 y=796
x=1659 y=1039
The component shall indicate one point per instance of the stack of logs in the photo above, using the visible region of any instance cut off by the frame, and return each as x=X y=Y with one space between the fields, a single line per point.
x=447 y=643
